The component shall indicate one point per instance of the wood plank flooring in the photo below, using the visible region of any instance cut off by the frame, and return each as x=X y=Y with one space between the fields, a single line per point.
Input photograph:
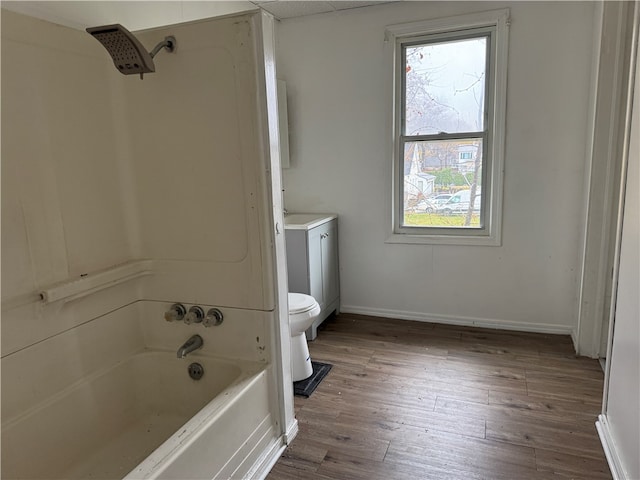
x=413 y=400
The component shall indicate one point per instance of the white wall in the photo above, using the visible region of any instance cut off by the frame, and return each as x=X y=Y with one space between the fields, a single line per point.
x=80 y=14
x=339 y=114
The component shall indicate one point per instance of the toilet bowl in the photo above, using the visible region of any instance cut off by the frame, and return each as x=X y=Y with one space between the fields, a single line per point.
x=303 y=309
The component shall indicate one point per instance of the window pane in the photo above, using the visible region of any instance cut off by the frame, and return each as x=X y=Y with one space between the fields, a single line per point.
x=445 y=87
x=443 y=183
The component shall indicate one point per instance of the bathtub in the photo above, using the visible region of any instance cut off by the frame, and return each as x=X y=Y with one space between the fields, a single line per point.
x=144 y=417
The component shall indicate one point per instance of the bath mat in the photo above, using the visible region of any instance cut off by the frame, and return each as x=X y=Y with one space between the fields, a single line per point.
x=305 y=387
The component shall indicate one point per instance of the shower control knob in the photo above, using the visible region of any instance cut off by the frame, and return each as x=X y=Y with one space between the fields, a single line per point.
x=213 y=318
x=195 y=315
x=175 y=313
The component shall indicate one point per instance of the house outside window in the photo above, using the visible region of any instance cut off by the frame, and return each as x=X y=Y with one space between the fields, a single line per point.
x=449 y=109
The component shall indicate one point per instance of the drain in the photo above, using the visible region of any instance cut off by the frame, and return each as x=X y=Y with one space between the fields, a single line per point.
x=196 y=371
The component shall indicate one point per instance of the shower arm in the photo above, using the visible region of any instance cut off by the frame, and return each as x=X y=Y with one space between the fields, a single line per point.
x=169 y=43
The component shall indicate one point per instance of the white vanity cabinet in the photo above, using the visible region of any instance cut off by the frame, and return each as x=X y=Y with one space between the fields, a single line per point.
x=312 y=261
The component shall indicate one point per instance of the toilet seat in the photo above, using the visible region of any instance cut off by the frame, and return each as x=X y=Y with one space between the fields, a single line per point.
x=300 y=303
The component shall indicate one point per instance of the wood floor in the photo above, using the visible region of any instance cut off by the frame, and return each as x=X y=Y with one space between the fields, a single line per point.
x=412 y=400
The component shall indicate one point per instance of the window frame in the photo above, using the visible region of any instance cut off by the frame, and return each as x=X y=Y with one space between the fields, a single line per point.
x=494 y=25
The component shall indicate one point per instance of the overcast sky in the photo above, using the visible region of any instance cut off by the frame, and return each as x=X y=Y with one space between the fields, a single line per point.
x=454 y=70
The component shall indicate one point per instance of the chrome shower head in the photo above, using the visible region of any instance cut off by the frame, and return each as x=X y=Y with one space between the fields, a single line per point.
x=128 y=54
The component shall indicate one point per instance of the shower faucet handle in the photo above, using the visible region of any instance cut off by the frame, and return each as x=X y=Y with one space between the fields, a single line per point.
x=195 y=315
x=175 y=313
x=213 y=319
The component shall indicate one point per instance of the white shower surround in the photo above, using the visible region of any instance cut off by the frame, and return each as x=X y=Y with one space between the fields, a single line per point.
x=122 y=196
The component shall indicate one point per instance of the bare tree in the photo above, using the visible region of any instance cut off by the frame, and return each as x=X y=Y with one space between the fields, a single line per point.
x=425 y=112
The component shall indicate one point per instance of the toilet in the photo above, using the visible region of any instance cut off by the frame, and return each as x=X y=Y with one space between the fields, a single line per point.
x=303 y=309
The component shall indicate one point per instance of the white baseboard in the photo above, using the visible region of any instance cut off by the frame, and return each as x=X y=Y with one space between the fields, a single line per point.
x=610 y=450
x=457 y=320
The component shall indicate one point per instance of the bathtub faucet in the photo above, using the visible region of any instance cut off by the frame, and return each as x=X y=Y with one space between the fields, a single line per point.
x=194 y=343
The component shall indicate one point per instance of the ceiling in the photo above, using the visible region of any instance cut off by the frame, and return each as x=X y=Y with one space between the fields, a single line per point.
x=139 y=15
x=291 y=9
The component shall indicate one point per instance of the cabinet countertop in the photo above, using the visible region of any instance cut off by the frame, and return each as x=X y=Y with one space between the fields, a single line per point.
x=306 y=221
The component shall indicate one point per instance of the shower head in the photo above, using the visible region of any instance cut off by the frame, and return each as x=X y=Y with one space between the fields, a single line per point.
x=128 y=54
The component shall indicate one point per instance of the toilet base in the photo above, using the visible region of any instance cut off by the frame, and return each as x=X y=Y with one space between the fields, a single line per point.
x=301 y=367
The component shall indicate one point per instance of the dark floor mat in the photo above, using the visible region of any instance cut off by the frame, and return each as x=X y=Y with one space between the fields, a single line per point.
x=305 y=387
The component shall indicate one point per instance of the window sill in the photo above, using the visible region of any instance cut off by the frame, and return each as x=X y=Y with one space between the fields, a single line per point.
x=469 y=240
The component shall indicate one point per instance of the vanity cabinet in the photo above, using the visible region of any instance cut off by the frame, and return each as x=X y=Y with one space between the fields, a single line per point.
x=312 y=261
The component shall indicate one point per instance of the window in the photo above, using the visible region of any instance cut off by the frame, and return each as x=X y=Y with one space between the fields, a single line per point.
x=449 y=108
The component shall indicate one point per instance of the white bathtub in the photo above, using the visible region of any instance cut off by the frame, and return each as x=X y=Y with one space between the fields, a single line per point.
x=144 y=418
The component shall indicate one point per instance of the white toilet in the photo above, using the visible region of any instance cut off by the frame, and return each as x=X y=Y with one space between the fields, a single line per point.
x=303 y=309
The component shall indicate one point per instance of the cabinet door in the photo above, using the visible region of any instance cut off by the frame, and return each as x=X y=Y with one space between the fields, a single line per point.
x=329 y=250
x=316 y=289
x=298 y=261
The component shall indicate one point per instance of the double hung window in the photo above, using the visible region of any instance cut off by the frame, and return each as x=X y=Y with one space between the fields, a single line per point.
x=450 y=88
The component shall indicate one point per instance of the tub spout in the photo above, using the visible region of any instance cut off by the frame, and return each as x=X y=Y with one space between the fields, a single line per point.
x=194 y=343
